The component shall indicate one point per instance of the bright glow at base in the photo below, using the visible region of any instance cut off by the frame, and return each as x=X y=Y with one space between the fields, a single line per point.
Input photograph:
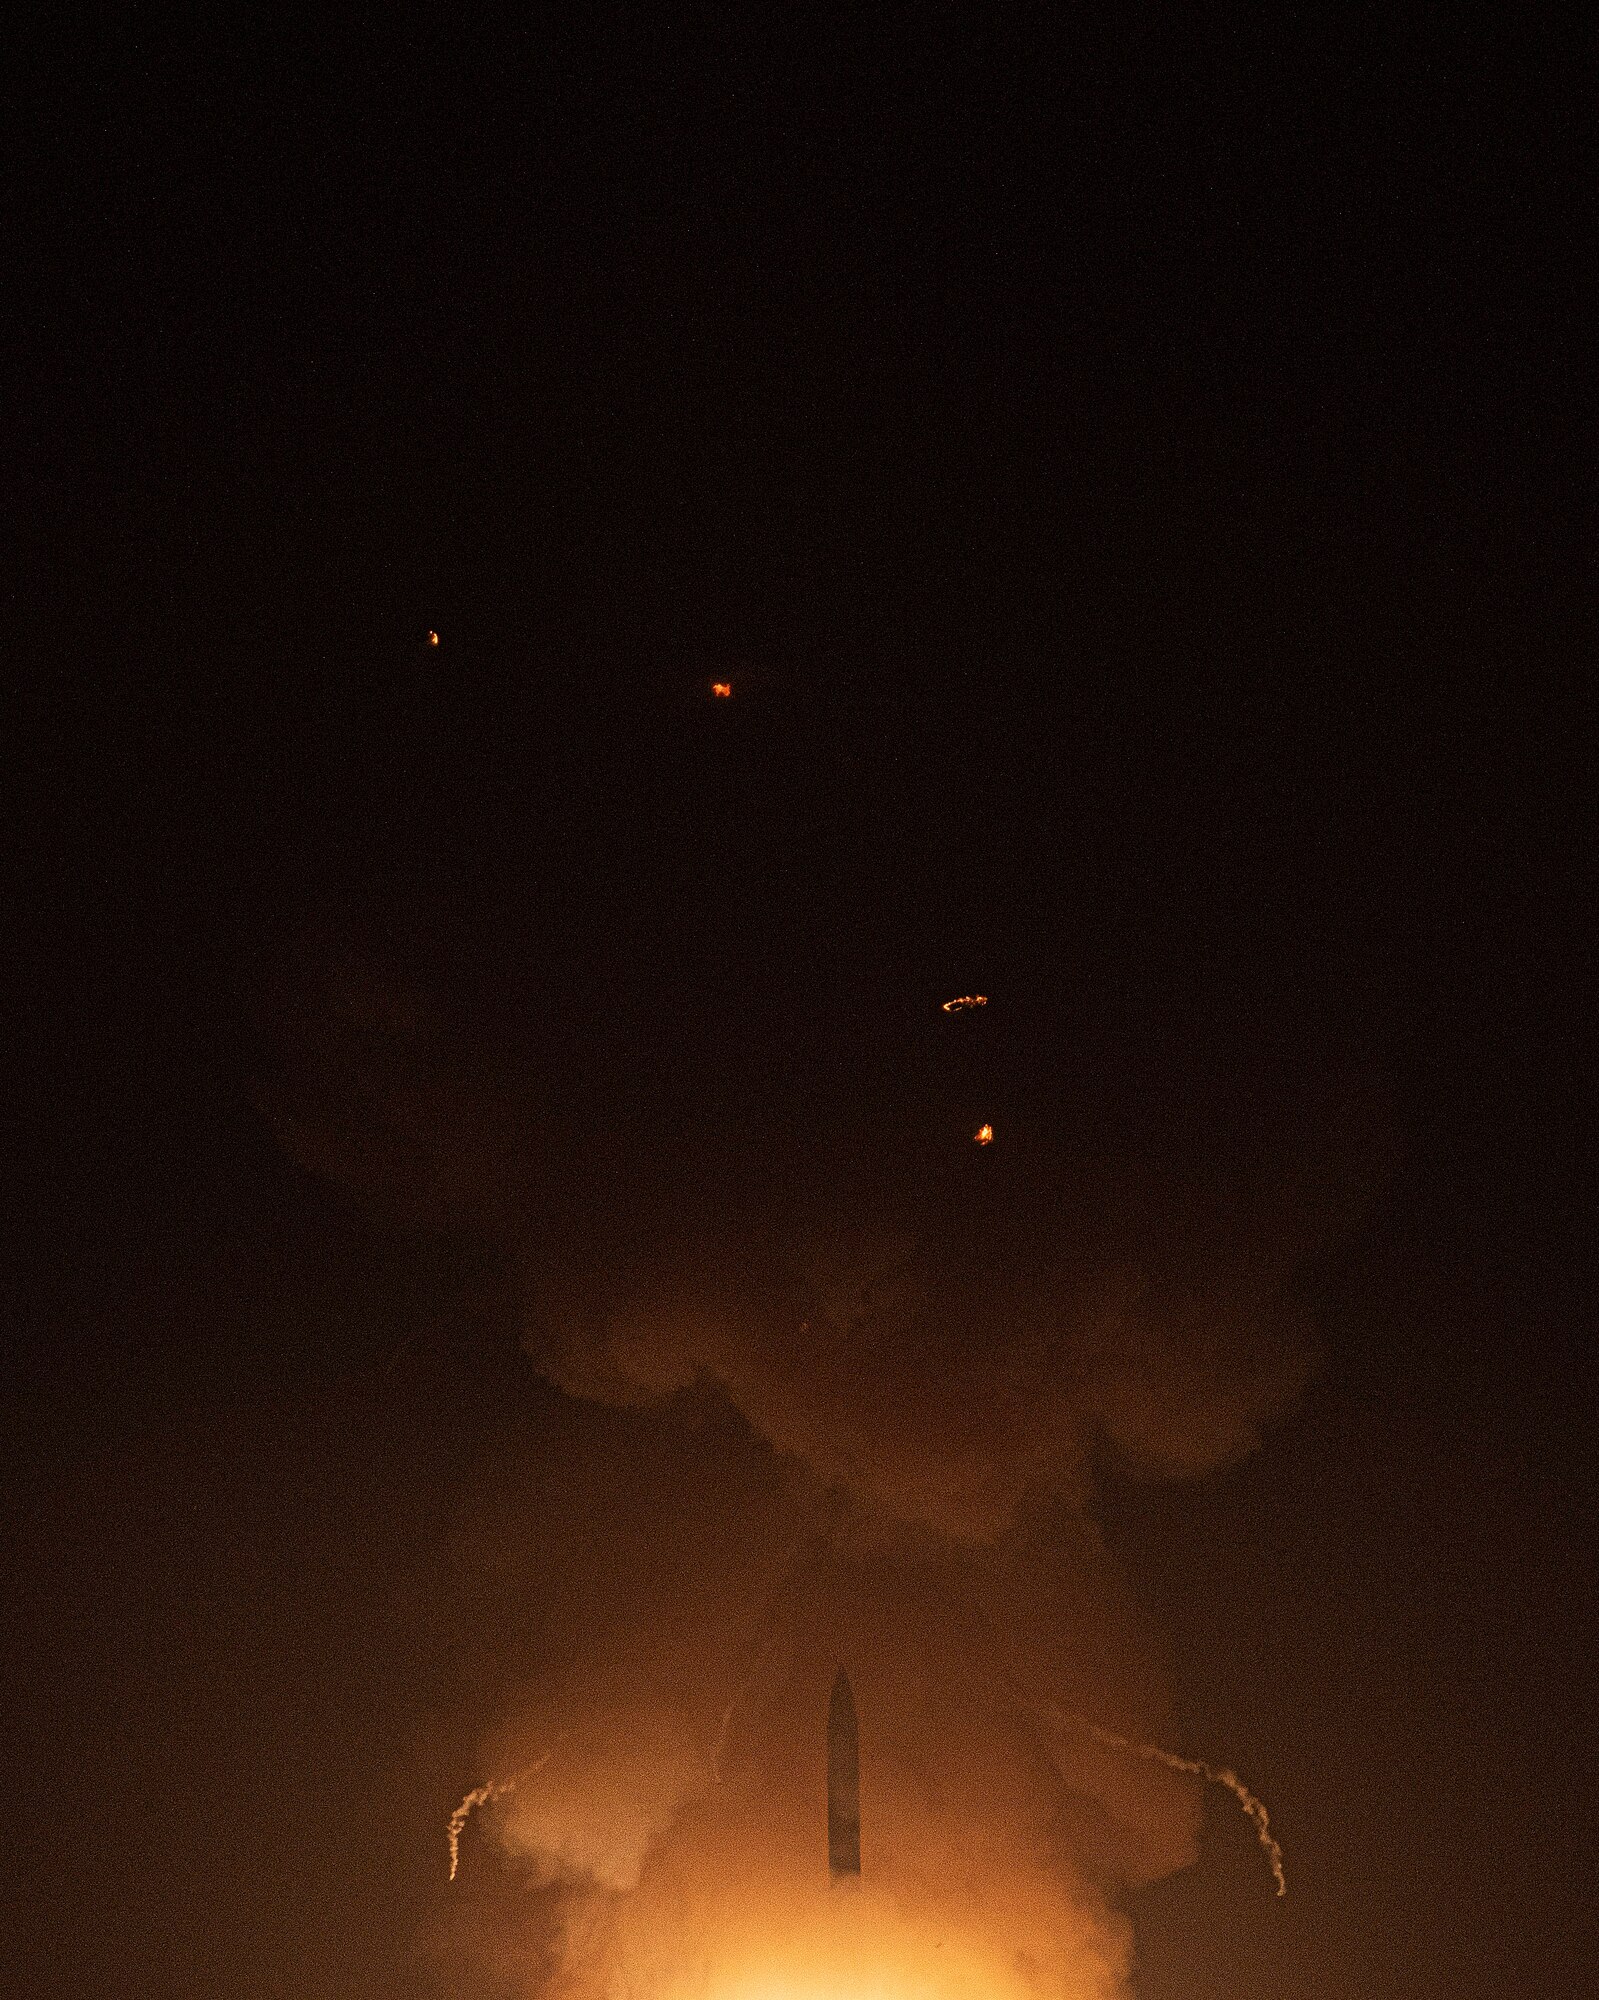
x=847 y=1987
x=865 y=1949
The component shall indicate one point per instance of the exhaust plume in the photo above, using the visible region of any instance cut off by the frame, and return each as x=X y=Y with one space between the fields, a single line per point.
x=815 y=1388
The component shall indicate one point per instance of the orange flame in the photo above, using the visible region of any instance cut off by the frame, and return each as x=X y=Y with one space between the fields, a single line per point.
x=722 y=688
x=962 y=1001
x=433 y=638
x=983 y=1136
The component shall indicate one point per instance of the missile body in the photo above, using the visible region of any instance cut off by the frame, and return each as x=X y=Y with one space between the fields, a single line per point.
x=843 y=1785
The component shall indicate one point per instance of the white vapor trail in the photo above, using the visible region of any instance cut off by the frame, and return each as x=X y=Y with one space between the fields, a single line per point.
x=483 y=1795
x=1213 y=1774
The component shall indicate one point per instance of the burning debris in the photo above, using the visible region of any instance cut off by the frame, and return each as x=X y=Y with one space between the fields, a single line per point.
x=965 y=1002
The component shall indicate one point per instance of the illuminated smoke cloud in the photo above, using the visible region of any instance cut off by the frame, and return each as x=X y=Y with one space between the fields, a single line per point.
x=820 y=1410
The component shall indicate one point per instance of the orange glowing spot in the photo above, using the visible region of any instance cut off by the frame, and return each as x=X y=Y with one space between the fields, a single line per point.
x=984 y=1135
x=433 y=638
x=960 y=1004
x=723 y=689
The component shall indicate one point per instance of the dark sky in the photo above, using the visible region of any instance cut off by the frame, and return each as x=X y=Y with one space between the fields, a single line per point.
x=1135 y=486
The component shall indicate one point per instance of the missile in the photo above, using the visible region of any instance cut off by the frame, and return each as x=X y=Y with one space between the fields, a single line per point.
x=843 y=1785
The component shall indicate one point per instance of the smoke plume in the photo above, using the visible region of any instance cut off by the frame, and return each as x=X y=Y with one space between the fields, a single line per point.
x=826 y=1386
x=480 y=1795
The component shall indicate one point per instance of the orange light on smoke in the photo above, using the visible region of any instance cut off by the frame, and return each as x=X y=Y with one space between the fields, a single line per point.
x=722 y=688
x=962 y=1001
x=433 y=638
x=983 y=1136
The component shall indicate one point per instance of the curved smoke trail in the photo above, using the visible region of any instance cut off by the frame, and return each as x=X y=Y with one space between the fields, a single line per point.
x=1214 y=1774
x=485 y=1795
x=1196 y=1767
x=481 y=1795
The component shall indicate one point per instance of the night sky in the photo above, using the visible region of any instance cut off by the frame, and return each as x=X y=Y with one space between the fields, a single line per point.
x=1133 y=484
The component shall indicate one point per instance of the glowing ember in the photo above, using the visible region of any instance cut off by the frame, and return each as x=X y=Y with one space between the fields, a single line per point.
x=722 y=688
x=433 y=638
x=983 y=1136
x=963 y=1002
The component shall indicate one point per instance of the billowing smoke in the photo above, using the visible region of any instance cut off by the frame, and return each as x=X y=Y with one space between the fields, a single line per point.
x=835 y=1389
